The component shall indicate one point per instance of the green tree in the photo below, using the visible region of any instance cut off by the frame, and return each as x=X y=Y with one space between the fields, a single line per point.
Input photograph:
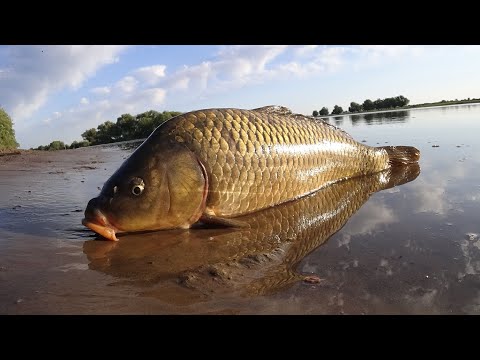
x=107 y=133
x=56 y=145
x=389 y=103
x=337 y=110
x=402 y=100
x=378 y=104
x=368 y=105
x=324 y=111
x=126 y=128
x=146 y=123
x=90 y=135
x=73 y=145
x=354 y=107
x=7 y=134
x=315 y=113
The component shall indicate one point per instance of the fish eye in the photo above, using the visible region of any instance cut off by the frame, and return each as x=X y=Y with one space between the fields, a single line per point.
x=137 y=189
x=137 y=186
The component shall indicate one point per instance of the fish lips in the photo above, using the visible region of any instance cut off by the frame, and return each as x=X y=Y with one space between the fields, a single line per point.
x=98 y=222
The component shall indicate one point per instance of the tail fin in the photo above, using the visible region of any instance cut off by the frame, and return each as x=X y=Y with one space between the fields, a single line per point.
x=402 y=155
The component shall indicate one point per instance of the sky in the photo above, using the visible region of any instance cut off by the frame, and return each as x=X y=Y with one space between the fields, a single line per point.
x=56 y=92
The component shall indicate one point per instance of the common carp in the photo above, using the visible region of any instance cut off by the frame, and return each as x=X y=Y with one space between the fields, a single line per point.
x=214 y=165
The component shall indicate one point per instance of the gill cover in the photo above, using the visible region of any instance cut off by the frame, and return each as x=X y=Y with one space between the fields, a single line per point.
x=182 y=188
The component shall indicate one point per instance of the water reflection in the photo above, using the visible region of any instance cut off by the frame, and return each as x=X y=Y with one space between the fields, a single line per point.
x=338 y=120
x=259 y=259
x=379 y=118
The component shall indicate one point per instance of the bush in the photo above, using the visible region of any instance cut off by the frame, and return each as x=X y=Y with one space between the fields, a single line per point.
x=337 y=110
x=56 y=145
x=324 y=111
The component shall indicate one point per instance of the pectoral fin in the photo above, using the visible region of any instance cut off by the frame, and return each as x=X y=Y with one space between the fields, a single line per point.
x=220 y=221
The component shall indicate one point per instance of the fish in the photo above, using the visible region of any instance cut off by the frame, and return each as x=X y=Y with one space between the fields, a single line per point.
x=260 y=259
x=214 y=165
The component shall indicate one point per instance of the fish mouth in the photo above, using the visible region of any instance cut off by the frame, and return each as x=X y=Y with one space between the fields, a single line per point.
x=97 y=221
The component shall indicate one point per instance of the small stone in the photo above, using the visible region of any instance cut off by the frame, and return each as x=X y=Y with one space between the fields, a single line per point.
x=18 y=301
x=214 y=272
x=312 y=279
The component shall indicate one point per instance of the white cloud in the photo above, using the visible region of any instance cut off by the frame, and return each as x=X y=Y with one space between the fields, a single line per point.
x=127 y=84
x=84 y=101
x=150 y=74
x=36 y=72
x=232 y=67
x=103 y=90
x=181 y=83
x=154 y=96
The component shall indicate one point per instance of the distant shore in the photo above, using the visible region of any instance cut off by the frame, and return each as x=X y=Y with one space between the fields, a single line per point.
x=408 y=107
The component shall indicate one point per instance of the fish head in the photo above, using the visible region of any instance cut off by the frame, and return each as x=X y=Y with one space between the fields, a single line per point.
x=157 y=187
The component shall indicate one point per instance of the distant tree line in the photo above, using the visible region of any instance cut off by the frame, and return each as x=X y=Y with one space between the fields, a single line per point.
x=367 y=105
x=127 y=127
x=60 y=145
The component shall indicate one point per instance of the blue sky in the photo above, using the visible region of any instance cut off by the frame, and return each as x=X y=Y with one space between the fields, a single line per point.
x=56 y=92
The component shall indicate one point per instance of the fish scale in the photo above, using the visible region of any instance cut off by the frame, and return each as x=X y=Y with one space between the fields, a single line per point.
x=255 y=159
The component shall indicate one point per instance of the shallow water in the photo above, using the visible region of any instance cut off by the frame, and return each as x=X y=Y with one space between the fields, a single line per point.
x=408 y=249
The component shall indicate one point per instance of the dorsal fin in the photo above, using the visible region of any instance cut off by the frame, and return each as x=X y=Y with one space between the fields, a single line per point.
x=274 y=109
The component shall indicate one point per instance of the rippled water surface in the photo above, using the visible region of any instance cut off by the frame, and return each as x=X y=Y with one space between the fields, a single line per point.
x=393 y=243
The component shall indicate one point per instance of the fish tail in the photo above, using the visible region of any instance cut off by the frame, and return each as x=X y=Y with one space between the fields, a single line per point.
x=399 y=175
x=401 y=155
